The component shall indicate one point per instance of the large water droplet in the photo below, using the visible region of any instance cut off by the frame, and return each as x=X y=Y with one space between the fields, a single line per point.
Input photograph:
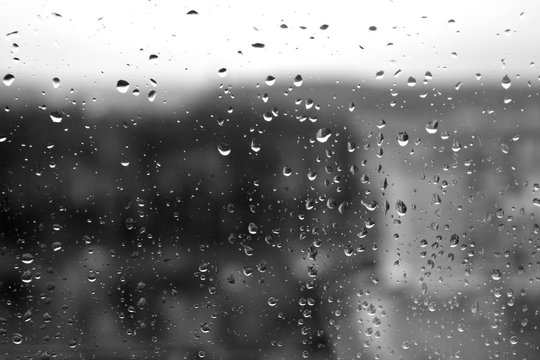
x=8 y=79
x=402 y=138
x=56 y=117
x=432 y=126
x=17 y=339
x=411 y=81
x=496 y=274
x=27 y=258
x=222 y=72
x=536 y=202
x=224 y=149
x=323 y=134
x=270 y=80
x=298 y=80
x=56 y=83
x=122 y=86
x=506 y=82
x=401 y=208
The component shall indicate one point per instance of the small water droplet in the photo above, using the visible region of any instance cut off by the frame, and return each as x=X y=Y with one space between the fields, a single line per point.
x=513 y=340
x=536 y=202
x=255 y=145
x=505 y=148
x=73 y=343
x=8 y=79
x=454 y=240
x=272 y=301
x=205 y=328
x=411 y=81
x=432 y=126
x=506 y=82
x=258 y=45
x=405 y=345
x=381 y=124
x=224 y=149
x=323 y=135
x=152 y=95
x=379 y=75
x=122 y=86
x=56 y=116
x=91 y=277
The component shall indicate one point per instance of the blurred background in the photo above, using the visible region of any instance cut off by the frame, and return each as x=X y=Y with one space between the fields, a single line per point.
x=269 y=180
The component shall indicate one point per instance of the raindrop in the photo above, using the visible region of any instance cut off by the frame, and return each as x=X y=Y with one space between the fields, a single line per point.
x=506 y=82
x=402 y=138
x=323 y=134
x=381 y=124
x=255 y=145
x=57 y=246
x=505 y=148
x=91 y=277
x=298 y=80
x=152 y=95
x=432 y=126
x=287 y=171
x=401 y=208
x=454 y=240
x=496 y=274
x=26 y=276
x=27 y=258
x=224 y=149
x=272 y=301
x=205 y=328
x=222 y=72
x=192 y=12
x=513 y=340
x=270 y=80
x=258 y=45
x=17 y=339
x=56 y=117
x=252 y=228
x=8 y=79
x=536 y=202
x=411 y=81
x=379 y=75
x=406 y=345
x=122 y=86
x=456 y=146
x=56 y=83
x=73 y=343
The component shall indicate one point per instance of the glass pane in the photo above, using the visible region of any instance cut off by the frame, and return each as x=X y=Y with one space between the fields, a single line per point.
x=289 y=181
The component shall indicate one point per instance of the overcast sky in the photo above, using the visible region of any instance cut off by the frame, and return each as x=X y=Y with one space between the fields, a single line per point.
x=95 y=42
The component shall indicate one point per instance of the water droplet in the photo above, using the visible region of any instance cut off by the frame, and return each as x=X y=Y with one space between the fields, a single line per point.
x=432 y=126
x=57 y=246
x=27 y=316
x=513 y=340
x=411 y=81
x=505 y=148
x=372 y=28
x=270 y=80
x=27 y=258
x=8 y=79
x=3 y=138
x=454 y=240
x=152 y=95
x=222 y=72
x=351 y=106
x=401 y=208
x=224 y=149
x=381 y=124
x=406 y=345
x=192 y=12
x=402 y=138
x=56 y=83
x=287 y=171
x=91 y=277
x=496 y=274
x=379 y=74
x=474 y=307
x=252 y=228
x=17 y=339
x=258 y=45
x=456 y=146
x=124 y=161
x=323 y=135
x=56 y=116
x=122 y=86
x=205 y=328
x=536 y=202
x=272 y=301
x=298 y=80
x=73 y=343
x=152 y=57
x=26 y=276
x=506 y=82
x=255 y=145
